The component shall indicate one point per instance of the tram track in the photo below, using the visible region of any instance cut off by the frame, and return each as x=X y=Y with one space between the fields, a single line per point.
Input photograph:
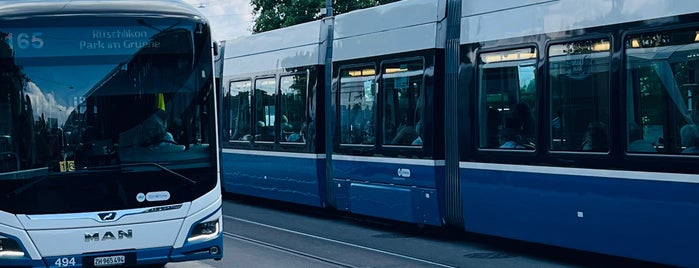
x=320 y=239
x=284 y=249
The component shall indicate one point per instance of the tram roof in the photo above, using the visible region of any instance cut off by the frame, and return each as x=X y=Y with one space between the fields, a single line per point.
x=485 y=20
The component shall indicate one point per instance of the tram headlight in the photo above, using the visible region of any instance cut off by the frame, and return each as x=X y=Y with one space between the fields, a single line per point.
x=10 y=248
x=204 y=231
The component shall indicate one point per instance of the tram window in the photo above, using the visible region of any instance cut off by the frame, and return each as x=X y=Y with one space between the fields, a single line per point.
x=357 y=104
x=239 y=120
x=662 y=84
x=265 y=109
x=403 y=100
x=293 y=108
x=507 y=97
x=579 y=102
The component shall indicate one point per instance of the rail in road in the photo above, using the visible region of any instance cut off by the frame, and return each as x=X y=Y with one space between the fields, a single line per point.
x=339 y=253
x=258 y=233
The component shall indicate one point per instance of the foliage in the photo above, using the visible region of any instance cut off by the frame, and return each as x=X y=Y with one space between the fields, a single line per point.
x=274 y=14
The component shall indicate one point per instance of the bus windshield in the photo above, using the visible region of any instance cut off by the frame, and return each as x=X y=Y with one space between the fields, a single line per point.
x=81 y=95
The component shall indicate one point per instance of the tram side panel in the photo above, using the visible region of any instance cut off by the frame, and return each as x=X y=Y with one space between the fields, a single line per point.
x=284 y=166
x=385 y=160
x=286 y=177
x=621 y=216
x=270 y=117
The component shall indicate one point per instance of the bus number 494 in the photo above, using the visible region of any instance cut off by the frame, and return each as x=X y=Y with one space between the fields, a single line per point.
x=65 y=262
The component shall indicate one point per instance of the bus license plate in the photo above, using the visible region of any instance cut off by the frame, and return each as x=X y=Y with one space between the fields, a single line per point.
x=109 y=261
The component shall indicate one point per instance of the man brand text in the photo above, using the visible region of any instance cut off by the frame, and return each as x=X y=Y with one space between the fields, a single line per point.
x=96 y=237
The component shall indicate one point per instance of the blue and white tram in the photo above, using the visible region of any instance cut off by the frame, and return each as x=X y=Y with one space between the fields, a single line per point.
x=271 y=91
x=608 y=166
x=383 y=164
x=386 y=155
x=557 y=122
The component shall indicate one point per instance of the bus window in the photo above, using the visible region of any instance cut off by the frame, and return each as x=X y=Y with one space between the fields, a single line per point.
x=507 y=95
x=357 y=104
x=265 y=95
x=579 y=97
x=403 y=100
x=239 y=113
x=293 y=108
x=9 y=160
x=661 y=88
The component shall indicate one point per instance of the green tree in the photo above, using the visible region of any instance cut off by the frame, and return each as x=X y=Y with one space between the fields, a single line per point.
x=274 y=14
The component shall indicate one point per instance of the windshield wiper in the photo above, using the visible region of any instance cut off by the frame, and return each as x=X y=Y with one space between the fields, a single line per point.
x=176 y=174
x=24 y=188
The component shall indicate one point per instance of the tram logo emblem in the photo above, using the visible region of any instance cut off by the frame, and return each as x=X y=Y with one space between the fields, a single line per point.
x=108 y=216
x=404 y=172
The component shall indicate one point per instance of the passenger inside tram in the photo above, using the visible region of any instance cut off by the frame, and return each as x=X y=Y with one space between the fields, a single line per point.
x=636 y=141
x=690 y=139
x=508 y=139
x=595 y=139
x=525 y=119
x=494 y=125
x=419 y=130
x=406 y=134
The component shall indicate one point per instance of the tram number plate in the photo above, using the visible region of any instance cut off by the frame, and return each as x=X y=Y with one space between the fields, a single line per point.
x=109 y=261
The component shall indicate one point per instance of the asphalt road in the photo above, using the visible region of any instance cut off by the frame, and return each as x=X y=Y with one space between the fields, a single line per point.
x=259 y=233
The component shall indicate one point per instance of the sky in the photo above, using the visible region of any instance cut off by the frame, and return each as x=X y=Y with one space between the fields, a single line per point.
x=229 y=18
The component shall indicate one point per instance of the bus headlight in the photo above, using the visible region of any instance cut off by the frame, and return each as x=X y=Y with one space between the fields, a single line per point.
x=204 y=231
x=10 y=248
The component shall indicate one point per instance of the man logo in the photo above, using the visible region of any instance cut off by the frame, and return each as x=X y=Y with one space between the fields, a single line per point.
x=97 y=237
x=109 y=216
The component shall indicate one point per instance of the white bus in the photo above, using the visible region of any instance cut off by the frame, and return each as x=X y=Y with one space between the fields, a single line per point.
x=108 y=153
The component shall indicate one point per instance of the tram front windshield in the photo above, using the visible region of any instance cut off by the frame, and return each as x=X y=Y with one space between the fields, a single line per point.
x=98 y=112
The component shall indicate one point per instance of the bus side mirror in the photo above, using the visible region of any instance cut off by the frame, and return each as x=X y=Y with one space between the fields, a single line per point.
x=215 y=49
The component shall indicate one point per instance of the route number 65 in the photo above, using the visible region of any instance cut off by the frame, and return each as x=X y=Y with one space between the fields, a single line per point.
x=24 y=40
